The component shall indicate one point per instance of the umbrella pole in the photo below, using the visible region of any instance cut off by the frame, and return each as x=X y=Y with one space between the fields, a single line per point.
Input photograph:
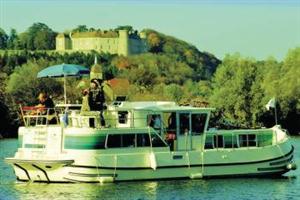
x=65 y=91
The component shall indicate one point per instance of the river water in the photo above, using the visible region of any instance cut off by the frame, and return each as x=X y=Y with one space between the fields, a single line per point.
x=287 y=187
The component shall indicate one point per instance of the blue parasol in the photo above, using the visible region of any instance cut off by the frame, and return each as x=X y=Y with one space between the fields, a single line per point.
x=63 y=70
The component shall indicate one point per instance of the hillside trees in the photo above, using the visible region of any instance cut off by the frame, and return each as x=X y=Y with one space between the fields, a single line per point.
x=24 y=85
x=242 y=87
x=202 y=63
x=13 y=41
x=38 y=37
x=3 y=39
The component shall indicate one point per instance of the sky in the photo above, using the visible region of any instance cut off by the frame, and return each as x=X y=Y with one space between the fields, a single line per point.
x=253 y=28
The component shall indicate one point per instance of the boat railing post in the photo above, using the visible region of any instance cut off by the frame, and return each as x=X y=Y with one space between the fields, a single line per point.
x=36 y=118
x=47 y=116
x=275 y=135
x=132 y=118
x=116 y=161
x=188 y=158
x=232 y=140
x=62 y=137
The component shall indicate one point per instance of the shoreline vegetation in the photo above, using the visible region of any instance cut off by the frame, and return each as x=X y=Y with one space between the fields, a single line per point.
x=172 y=69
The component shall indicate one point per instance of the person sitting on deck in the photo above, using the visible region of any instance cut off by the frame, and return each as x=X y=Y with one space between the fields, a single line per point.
x=45 y=104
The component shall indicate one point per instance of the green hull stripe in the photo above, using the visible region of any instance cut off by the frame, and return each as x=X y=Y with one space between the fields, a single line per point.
x=38 y=146
x=85 y=142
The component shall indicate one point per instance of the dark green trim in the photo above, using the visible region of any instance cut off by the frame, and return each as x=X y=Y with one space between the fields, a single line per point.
x=91 y=175
x=282 y=161
x=26 y=172
x=38 y=146
x=272 y=168
x=45 y=173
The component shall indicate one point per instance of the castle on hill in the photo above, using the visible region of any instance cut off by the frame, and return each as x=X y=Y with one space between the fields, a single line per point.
x=121 y=42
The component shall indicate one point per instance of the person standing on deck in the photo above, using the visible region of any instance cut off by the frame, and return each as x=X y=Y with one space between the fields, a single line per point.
x=96 y=98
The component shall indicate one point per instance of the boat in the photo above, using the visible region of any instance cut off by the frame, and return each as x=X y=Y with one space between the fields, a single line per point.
x=144 y=141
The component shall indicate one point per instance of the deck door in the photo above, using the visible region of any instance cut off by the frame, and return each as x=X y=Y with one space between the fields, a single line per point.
x=183 y=131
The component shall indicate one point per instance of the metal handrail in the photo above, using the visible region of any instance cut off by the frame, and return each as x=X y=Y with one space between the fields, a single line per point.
x=40 y=114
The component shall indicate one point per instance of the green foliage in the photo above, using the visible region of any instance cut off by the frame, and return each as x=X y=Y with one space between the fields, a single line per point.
x=8 y=114
x=126 y=27
x=3 y=39
x=146 y=70
x=13 y=41
x=24 y=86
x=80 y=28
x=231 y=89
x=203 y=64
x=38 y=37
x=242 y=87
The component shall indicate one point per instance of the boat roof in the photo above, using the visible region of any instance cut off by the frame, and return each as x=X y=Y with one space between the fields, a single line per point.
x=160 y=106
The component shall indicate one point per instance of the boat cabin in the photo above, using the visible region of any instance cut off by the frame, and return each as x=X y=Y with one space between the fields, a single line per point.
x=181 y=126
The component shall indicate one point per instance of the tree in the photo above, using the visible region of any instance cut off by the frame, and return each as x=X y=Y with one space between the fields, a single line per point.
x=3 y=39
x=155 y=42
x=25 y=90
x=44 y=40
x=8 y=115
x=38 y=36
x=232 y=90
x=81 y=28
x=13 y=40
x=126 y=27
x=174 y=92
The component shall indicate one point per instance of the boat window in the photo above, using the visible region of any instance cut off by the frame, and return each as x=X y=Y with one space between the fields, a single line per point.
x=171 y=121
x=209 y=142
x=143 y=140
x=128 y=140
x=230 y=141
x=252 y=140
x=157 y=141
x=113 y=141
x=184 y=123
x=218 y=141
x=122 y=117
x=155 y=122
x=198 y=123
x=264 y=139
x=247 y=140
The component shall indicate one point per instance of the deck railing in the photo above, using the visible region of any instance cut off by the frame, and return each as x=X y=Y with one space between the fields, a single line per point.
x=33 y=116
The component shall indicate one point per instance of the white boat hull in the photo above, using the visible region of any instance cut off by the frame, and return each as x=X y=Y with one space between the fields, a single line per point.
x=271 y=161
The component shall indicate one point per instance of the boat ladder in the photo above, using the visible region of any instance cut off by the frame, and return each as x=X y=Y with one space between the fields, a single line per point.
x=106 y=179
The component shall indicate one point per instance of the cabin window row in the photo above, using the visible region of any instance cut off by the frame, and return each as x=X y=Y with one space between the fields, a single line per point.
x=114 y=141
x=236 y=141
x=187 y=122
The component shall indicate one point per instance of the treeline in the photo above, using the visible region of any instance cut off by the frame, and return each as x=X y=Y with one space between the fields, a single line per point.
x=241 y=87
x=41 y=37
x=37 y=37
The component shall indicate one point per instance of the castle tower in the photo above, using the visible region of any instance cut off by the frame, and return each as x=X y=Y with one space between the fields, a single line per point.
x=123 y=46
x=96 y=70
x=62 y=42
